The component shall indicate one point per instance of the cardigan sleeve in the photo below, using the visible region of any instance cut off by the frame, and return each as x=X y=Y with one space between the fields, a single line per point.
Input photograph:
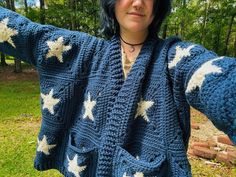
x=35 y=43
x=207 y=82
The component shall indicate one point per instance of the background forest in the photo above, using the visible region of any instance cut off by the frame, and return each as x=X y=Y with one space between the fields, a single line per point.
x=211 y=23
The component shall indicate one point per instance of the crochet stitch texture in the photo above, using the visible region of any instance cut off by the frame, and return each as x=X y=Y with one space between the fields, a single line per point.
x=95 y=123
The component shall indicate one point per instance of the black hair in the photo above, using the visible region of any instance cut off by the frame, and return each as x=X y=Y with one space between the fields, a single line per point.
x=110 y=26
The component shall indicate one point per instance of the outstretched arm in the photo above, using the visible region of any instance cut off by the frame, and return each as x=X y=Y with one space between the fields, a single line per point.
x=207 y=82
x=35 y=43
x=62 y=58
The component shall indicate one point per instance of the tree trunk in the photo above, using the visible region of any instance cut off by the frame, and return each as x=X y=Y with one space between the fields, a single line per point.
x=228 y=34
x=176 y=29
x=203 y=31
x=164 y=33
x=18 y=68
x=72 y=7
x=42 y=11
x=26 y=7
x=182 y=24
x=11 y=5
x=3 y=60
x=216 y=40
x=8 y=3
x=235 y=46
x=95 y=17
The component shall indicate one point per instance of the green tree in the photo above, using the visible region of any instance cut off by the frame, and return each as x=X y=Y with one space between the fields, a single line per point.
x=207 y=22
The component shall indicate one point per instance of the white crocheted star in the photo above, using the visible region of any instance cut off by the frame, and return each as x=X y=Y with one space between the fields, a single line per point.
x=179 y=55
x=43 y=146
x=57 y=48
x=143 y=106
x=199 y=76
x=89 y=105
x=124 y=175
x=138 y=174
x=49 y=102
x=73 y=167
x=6 y=33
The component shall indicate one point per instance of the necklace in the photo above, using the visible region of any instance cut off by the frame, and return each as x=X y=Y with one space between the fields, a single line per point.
x=132 y=48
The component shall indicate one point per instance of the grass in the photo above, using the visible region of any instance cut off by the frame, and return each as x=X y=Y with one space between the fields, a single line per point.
x=10 y=61
x=16 y=97
x=20 y=122
x=197 y=117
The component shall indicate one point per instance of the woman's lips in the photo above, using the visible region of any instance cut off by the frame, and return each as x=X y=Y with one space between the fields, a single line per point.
x=136 y=14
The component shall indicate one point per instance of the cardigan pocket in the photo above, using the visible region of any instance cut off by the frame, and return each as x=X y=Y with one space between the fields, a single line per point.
x=126 y=164
x=81 y=157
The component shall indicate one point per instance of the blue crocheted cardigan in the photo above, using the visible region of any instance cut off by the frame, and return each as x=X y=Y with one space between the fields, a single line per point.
x=95 y=123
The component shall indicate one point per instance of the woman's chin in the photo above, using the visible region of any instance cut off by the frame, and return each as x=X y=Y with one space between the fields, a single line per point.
x=136 y=29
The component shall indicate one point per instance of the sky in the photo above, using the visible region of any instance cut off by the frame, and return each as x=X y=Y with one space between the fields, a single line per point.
x=30 y=3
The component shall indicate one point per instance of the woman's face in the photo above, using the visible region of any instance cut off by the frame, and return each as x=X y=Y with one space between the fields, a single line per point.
x=134 y=15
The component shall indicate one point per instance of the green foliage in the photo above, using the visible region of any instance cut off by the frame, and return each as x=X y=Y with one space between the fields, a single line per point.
x=2 y=3
x=74 y=15
x=205 y=22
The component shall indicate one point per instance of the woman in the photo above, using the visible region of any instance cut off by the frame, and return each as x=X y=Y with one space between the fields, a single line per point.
x=120 y=107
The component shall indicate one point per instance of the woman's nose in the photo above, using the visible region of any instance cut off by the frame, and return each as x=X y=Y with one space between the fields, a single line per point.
x=137 y=2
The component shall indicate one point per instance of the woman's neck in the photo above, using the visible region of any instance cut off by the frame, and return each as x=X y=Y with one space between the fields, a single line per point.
x=132 y=43
x=133 y=37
